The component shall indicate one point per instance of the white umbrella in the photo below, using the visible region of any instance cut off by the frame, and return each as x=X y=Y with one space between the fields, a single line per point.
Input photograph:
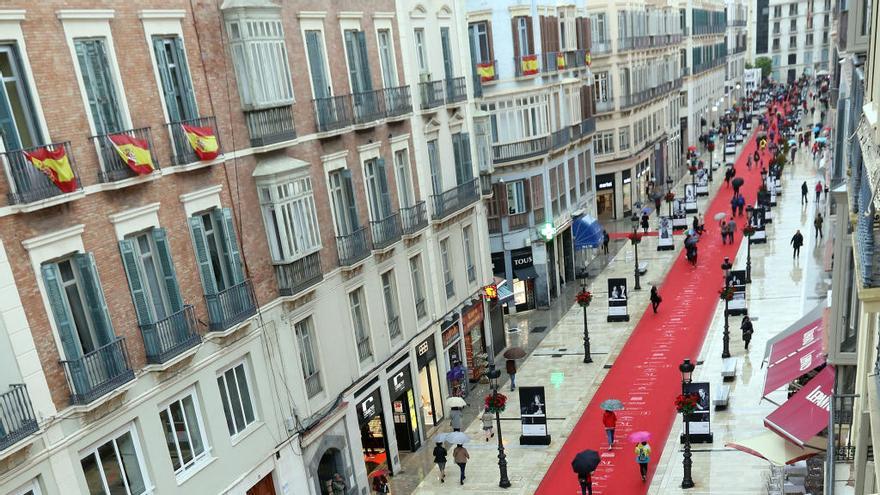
x=457 y=438
x=455 y=402
x=720 y=216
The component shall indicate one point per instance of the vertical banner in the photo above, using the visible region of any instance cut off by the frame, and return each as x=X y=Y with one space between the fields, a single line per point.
x=690 y=198
x=737 y=280
x=700 y=420
x=756 y=220
x=617 y=300
x=664 y=234
x=679 y=214
x=702 y=182
x=533 y=416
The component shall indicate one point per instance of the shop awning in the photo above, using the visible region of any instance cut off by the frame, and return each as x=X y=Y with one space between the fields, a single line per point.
x=806 y=413
x=525 y=273
x=587 y=232
x=813 y=315
x=798 y=352
x=776 y=449
x=505 y=293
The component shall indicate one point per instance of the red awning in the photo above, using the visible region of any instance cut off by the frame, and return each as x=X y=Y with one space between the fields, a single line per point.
x=798 y=353
x=806 y=413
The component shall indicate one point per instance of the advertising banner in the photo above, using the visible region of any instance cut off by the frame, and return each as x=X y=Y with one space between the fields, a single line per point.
x=690 y=198
x=533 y=416
x=700 y=420
x=617 y=300
x=664 y=234
x=737 y=280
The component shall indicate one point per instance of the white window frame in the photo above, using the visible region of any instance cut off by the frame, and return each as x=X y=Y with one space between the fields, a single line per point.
x=623 y=138
x=204 y=458
x=417 y=279
x=391 y=302
x=420 y=41
x=406 y=193
x=467 y=241
x=92 y=450
x=250 y=385
x=386 y=25
x=316 y=24
x=10 y=30
x=164 y=23
x=306 y=239
x=516 y=199
x=363 y=315
x=522 y=36
x=32 y=487
x=446 y=268
x=249 y=79
x=309 y=342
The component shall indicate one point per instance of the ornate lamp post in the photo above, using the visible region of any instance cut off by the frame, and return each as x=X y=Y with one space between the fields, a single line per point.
x=497 y=407
x=726 y=295
x=687 y=369
x=748 y=232
x=670 y=196
x=636 y=238
x=584 y=298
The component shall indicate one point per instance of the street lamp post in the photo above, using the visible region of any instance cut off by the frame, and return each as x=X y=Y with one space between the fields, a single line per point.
x=668 y=191
x=748 y=231
x=726 y=266
x=493 y=375
x=584 y=299
x=687 y=370
x=635 y=243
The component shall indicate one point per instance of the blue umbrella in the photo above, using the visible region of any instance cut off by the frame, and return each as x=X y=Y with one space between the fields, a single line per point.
x=822 y=140
x=587 y=232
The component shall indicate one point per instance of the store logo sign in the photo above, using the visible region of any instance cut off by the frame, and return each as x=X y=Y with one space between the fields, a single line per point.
x=422 y=349
x=522 y=261
x=605 y=185
x=398 y=382
x=368 y=407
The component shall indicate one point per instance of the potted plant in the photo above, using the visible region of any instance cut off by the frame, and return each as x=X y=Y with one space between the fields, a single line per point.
x=686 y=403
x=584 y=298
x=495 y=403
x=670 y=197
x=635 y=237
x=748 y=231
x=726 y=294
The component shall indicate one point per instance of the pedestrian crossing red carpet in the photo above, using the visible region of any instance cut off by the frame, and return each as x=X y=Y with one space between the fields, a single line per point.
x=645 y=376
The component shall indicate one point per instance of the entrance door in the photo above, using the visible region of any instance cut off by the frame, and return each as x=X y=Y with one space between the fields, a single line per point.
x=263 y=487
x=405 y=423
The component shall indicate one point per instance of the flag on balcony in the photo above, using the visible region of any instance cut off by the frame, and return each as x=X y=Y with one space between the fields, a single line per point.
x=203 y=141
x=560 y=60
x=486 y=71
x=588 y=58
x=529 y=65
x=55 y=165
x=134 y=152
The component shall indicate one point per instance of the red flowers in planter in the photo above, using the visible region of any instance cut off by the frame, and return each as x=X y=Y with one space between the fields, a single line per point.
x=635 y=237
x=748 y=231
x=692 y=169
x=686 y=403
x=726 y=294
x=584 y=298
x=670 y=196
x=496 y=403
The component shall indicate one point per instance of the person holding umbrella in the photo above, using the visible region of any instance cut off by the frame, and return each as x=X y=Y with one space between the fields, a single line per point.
x=510 y=366
x=460 y=455
x=440 y=453
x=643 y=457
x=583 y=465
x=609 y=420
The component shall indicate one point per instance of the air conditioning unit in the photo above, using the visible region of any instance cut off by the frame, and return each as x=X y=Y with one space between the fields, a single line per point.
x=424 y=77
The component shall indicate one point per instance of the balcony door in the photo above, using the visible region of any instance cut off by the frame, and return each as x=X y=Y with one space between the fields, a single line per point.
x=18 y=123
x=377 y=189
x=317 y=64
x=99 y=84
x=177 y=87
x=216 y=250
x=151 y=276
x=344 y=205
x=448 y=70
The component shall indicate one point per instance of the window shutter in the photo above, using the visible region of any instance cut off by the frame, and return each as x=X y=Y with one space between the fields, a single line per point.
x=456 y=156
x=545 y=33
x=517 y=52
x=366 y=80
x=172 y=287
x=530 y=35
x=384 y=193
x=104 y=88
x=135 y=283
x=223 y=218
x=316 y=63
x=491 y=51
x=174 y=111
x=351 y=54
x=189 y=98
x=537 y=192
x=492 y=203
x=85 y=263
x=200 y=245
x=527 y=200
x=467 y=169
x=63 y=320
x=348 y=190
x=501 y=195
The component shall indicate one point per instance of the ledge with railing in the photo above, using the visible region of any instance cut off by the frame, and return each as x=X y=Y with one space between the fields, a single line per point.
x=588 y=126
x=432 y=93
x=606 y=105
x=333 y=113
x=560 y=139
x=27 y=183
x=414 y=218
x=527 y=65
x=352 y=248
x=456 y=90
x=168 y=338
x=486 y=71
x=298 y=275
x=519 y=150
x=368 y=106
x=455 y=199
x=386 y=231
x=600 y=48
x=713 y=29
x=17 y=419
x=231 y=306
x=181 y=150
x=365 y=350
x=98 y=372
x=313 y=384
x=703 y=67
x=270 y=125
x=394 y=327
x=398 y=101
x=114 y=168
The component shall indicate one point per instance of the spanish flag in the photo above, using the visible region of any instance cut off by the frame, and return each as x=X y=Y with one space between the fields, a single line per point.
x=560 y=60
x=486 y=71
x=55 y=165
x=588 y=58
x=529 y=65
x=203 y=141
x=134 y=152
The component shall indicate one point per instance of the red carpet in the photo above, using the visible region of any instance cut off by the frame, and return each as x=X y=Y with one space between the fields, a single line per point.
x=645 y=376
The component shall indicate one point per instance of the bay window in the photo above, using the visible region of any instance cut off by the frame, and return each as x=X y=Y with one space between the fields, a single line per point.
x=290 y=217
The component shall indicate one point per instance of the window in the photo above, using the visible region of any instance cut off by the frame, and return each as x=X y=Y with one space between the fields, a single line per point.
x=776 y=27
x=599 y=28
x=824 y=40
x=461 y=151
x=386 y=56
x=777 y=11
x=434 y=162
x=184 y=435
x=216 y=250
x=235 y=393
x=604 y=143
x=792 y=28
x=377 y=189
x=447 y=270
x=469 y=254
x=100 y=86
x=446 y=48
x=359 y=323
x=809 y=39
x=259 y=55
x=808 y=58
x=389 y=295
x=115 y=467
x=358 y=62
x=603 y=90
x=403 y=175
x=776 y=43
x=344 y=206
x=421 y=51
x=291 y=218
x=623 y=138
x=18 y=122
x=516 y=197
x=307 y=356
x=151 y=276
x=318 y=64
x=418 y=285
x=524 y=41
x=481 y=47
x=792 y=9
x=177 y=87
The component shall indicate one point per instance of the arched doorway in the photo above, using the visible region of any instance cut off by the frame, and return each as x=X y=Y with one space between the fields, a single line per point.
x=330 y=464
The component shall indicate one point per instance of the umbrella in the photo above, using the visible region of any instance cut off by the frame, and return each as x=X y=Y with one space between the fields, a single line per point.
x=611 y=405
x=514 y=353
x=656 y=195
x=379 y=472
x=737 y=182
x=639 y=436
x=822 y=140
x=692 y=148
x=646 y=210
x=720 y=216
x=587 y=232
x=440 y=437
x=585 y=462
x=691 y=241
x=792 y=142
x=455 y=402
x=457 y=438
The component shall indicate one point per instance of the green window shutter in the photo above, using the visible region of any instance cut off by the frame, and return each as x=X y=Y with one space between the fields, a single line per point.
x=189 y=96
x=448 y=70
x=63 y=320
x=163 y=251
x=135 y=282
x=100 y=88
x=168 y=89
x=351 y=54
x=316 y=63
x=348 y=190
x=456 y=155
x=223 y=219
x=200 y=246
x=464 y=150
x=384 y=193
x=363 y=60
x=85 y=263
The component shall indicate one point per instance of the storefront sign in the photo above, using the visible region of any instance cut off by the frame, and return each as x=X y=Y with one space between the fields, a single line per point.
x=425 y=352
x=472 y=316
x=369 y=407
x=399 y=383
x=605 y=181
x=521 y=258
x=451 y=334
x=533 y=416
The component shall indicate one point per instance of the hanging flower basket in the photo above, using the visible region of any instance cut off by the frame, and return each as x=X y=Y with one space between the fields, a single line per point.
x=584 y=298
x=726 y=294
x=692 y=169
x=686 y=403
x=748 y=231
x=495 y=403
x=670 y=196
x=635 y=237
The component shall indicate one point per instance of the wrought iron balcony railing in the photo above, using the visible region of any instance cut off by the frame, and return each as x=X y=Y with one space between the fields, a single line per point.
x=298 y=275
x=114 y=168
x=368 y=106
x=270 y=125
x=386 y=231
x=456 y=89
x=414 y=218
x=432 y=94
x=231 y=306
x=398 y=101
x=97 y=373
x=168 y=338
x=485 y=184
x=333 y=113
x=560 y=138
x=352 y=248
x=519 y=150
x=182 y=151
x=526 y=65
x=27 y=183
x=17 y=420
x=455 y=199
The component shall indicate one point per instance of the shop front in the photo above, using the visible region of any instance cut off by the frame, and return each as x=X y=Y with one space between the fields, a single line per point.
x=403 y=409
x=626 y=175
x=605 y=196
x=430 y=394
x=453 y=352
x=524 y=278
x=374 y=438
x=474 y=339
x=645 y=182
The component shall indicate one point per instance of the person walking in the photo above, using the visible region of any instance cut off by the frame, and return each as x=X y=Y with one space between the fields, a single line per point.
x=488 y=419
x=740 y=204
x=380 y=484
x=645 y=222
x=804 y=193
x=586 y=482
x=731 y=230
x=723 y=232
x=455 y=418
x=510 y=365
x=817 y=225
x=460 y=455
x=747 y=330
x=818 y=190
x=609 y=420
x=440 y=453
x=643 y=456
x=655 y=298
x=605 y=239
x=797 y=240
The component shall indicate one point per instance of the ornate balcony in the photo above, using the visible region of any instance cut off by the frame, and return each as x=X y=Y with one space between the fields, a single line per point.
x=414 y=218
x=299 y=275
x=432 y=93
x=398 y=101
x=231 y=306
x=386 y=231
x=455 y=199
x=98 y=373
x=333 y=113
x=28 y=184
x=456 y=90
x=560 y=139
x=168 y=338
x=485 y=184
x=114 y=168
x=526 y=65
x=270 y=125
x=368 y=106
x=181 y=150
x=17 y=420
x=352 y=248
x=520 y=150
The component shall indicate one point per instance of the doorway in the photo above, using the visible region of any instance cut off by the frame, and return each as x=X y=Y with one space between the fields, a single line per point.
x=265 y=486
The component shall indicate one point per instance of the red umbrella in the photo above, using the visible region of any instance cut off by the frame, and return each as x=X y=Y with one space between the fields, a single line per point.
x=379 y=472
x=692 y=148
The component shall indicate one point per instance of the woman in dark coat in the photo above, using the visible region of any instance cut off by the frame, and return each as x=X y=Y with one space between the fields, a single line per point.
x=747 y=330
x=645 y=222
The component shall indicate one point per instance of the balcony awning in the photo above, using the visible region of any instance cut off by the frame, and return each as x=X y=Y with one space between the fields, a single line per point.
x=795 y=351
x=806 y=413
x=525 y=273
x=277 y=164
x=776 y=449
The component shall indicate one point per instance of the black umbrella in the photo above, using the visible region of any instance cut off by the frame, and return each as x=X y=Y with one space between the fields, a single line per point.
x=738 y=182
x=585 y=462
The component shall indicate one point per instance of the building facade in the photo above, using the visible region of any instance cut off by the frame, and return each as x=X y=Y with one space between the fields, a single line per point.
x=706 y=68
x=737 y=46
x=532 y=68
x=796 y=36
x=235 y=208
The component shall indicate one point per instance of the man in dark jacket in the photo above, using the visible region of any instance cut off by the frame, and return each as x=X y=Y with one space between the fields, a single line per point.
x=510 y=365
x=797 y=240
x=440 y=460
x=605 y=239
x=747 y=330
x=804 y=191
